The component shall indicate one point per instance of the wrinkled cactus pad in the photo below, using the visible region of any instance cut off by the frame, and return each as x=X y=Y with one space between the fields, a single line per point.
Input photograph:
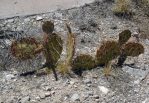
x=133 y=49
x=24 y=48
x=83 y=62
x=48 y=27
x=106 y=52
x=124 y=36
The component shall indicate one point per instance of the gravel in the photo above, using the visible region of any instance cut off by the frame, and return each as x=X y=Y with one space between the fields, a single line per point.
x=91 y=24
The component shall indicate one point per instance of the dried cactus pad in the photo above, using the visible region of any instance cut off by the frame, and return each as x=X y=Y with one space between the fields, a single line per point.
x=133 y=49
x=48 y=27
x=107 y=51
x=124 y=36
x=24 y=48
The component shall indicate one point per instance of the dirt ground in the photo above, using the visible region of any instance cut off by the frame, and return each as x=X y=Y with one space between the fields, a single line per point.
x=91 y=23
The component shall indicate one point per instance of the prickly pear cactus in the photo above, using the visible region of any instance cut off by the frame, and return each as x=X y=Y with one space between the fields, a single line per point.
x=24 y=49
x=124 y=36
x=108 y=50
x=48 y=27
x=53 y=48
x=83 y=62
x=133 y=49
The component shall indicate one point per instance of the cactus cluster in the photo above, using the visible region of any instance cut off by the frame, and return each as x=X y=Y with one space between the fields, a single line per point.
x=110 y=50
x=53 y=45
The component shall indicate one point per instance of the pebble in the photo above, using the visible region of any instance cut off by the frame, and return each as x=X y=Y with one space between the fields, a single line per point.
x=10 y=77
x=75 y=97
x=72 y=82
x=48 y=88
x=39 y=18
x=96 y=96
x=52 y=92
x=90 y=93
x=103 y=89
x=37 y=98
x=27 y=20
x=87 y=81
x=25 y=99
x=10 y=20
x=113 y=26
x=47 y=94
x=42 y=95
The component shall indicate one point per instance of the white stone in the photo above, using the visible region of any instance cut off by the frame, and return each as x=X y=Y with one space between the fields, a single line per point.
x=52 y=92
x=75 y=97
x=72 y=82
x=25 y=99
x=10 y=20
x=10 y=77
x=87 y=81
x=47 y=94
x=27 y=20
x=37 y=98
x=39 y=18
x=103 y=89
x=8 y=42
x=42 y=95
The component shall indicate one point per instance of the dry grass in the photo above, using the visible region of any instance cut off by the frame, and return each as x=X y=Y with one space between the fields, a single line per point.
x=122 y=7
x=65 y=66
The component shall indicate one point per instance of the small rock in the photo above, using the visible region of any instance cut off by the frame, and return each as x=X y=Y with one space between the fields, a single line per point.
x=113 y=26
x=82 y=41
x=75 y=86
x=25 y=99
x=103 y=89
x=92 y=22
x=72 y=82
x=48 y=88
x=89 y=85
x=10 y=77
x=83 y=27
x=90 y=93
x=27 y=20
x=39 y=18
x=96 y=96
x=8 y=42
x=10 y=20
x=37 y=98
x=85 y=95
x=52 y=92
x=87 y=81
x=75 y=97
x=137 y=81
x=42 y=95
x=47 y=94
